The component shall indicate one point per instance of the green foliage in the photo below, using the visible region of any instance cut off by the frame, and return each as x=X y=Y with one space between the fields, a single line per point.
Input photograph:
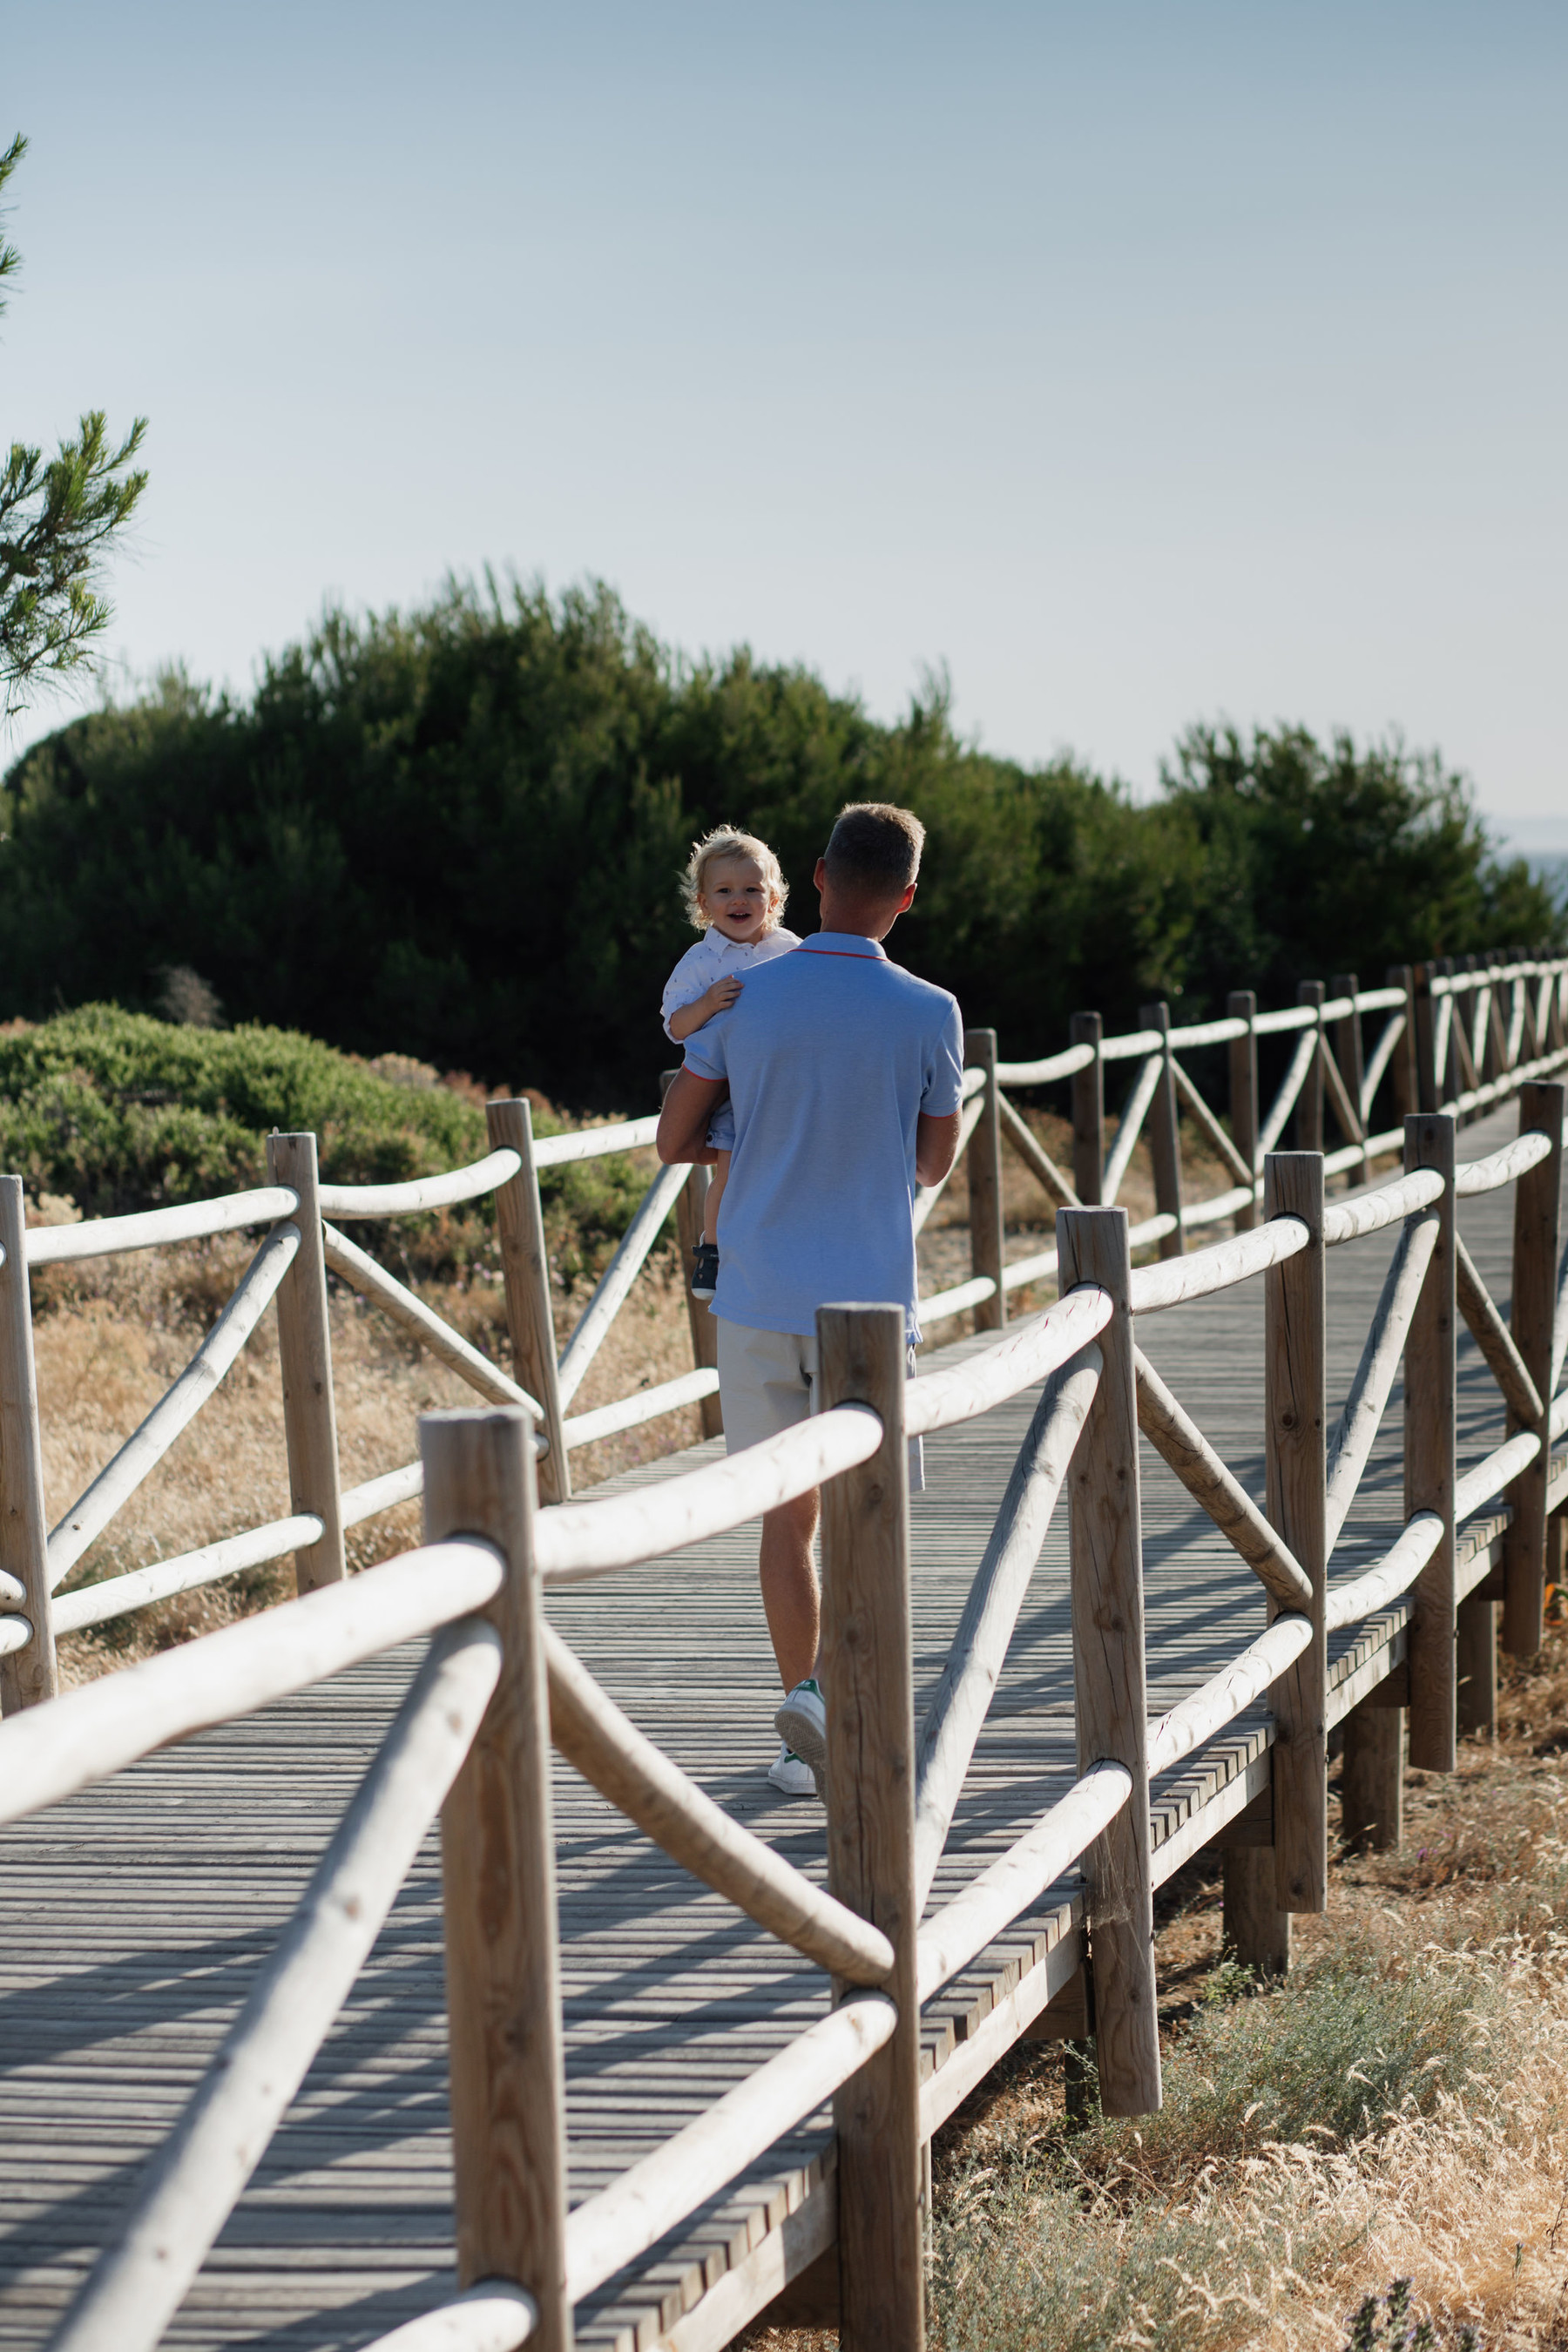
x=1319 y=859
x=1328 y=2057
x=56 y=515
x=1385 y=2321
x=457 y=833
x=117 y=1111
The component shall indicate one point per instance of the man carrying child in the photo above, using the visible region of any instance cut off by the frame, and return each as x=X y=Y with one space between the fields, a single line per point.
x=844 y=1076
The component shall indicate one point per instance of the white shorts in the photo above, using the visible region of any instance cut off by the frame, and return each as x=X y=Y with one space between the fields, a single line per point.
x=767 y=1381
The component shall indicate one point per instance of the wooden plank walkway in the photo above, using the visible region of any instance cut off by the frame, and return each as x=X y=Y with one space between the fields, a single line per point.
x=133 y=1918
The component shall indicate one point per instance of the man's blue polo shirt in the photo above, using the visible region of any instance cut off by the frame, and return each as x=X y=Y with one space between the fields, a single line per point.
x=832 y=1054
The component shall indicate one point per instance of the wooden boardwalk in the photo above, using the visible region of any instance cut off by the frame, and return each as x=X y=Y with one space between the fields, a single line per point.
x=133 y=1917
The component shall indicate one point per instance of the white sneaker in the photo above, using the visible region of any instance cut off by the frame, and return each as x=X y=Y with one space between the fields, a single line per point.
x=802 y=1724
x=791 y=1774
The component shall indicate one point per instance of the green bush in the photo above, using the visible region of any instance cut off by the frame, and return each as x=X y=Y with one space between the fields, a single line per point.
x=457 y=834
x=119 y=1111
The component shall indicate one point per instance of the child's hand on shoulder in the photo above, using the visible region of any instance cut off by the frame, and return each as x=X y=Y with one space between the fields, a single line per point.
x=720 y=996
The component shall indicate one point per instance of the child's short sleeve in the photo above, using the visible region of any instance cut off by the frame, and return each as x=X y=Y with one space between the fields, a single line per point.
x=943 y=1088
x=685 y=985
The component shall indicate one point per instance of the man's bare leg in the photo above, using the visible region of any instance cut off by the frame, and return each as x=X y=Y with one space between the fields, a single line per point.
x=791 y=1597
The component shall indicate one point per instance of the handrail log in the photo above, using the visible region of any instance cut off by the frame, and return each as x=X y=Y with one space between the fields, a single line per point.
x=1559 y=1327
x=200 y=2172
x=640 y=1237
x=116 y=1596
x=85 y=1734
x=12 y=1588
x=1388 y=1579
x=979 y=1648
x=16 y=1632
x=594 y=1142
x=1134 y=1111
x=1358 y=1425
x=952 y=1937
x=1030 y=1352
x=1503 y=1166
x=1182 y=1444
x=382 y=1493
x=943 y=1304
x=443 y=1192
x=1493 y=1338
x=189 y=1220
x=1368 y=1213
x=1222 y=1697
x=1493 y=1473
x=497 y=2316
x=177 y=1408
x=622 y=2221
x=643 y=1405
x=1048 y=1068
x=1292 y=1081
x=1217 y=1268
x=1382 y=1053
x=361 y=1272
x=579 y=1539
x=1204 y=1118
x=1034 y=1157
x=667 y=1806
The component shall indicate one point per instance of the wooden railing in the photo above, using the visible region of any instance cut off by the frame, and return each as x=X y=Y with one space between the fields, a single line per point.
x=498 y=1686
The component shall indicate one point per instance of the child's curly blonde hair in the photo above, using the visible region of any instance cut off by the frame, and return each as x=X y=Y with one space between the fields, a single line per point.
x=724 y=841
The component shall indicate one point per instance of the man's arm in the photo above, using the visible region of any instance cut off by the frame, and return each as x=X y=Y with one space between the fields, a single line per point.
x=936 y=1145
x=683 y=1120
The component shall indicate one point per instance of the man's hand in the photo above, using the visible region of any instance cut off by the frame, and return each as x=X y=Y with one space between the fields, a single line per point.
x=936 y=1145
x=690 y=1018
x=683 y=1121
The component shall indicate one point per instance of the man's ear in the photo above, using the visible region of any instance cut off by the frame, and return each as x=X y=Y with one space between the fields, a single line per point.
x=908 y=900
x=820 y=876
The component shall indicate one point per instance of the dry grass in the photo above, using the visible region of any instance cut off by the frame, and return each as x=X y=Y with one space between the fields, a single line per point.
x=112 y=1334
x=1212 y=2226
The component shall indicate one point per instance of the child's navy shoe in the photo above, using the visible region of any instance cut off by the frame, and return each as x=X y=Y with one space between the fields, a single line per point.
x=705 y=1270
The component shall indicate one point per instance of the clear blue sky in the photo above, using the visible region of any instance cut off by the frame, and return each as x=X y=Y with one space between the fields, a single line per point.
x=1143 y=362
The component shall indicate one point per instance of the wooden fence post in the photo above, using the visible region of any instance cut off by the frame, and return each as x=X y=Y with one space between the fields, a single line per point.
x=868 y=1680
x=1475 y=1665
x=1241 y=1005
x=1296 y=1407
x=498 y=1894
x=1430 y=1472
x=1349 y=1056
x=691 y=1210
x=28 y=1675
x=1165 y=1144
x=1537 y=1239
x=1402 y=1062
x=1254 y=1931
x=1428 y=1080
x=1371 y=1777
x=1088 y=1113
x=305 y=1354
x=987 y=1250
x=1105 y=1532
x=1308 y=1121
x=525 y=1269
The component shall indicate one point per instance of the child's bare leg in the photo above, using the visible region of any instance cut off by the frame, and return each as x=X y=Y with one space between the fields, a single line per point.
x=715 y=1194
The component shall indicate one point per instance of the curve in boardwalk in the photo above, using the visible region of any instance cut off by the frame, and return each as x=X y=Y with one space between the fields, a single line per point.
x=659 y=2112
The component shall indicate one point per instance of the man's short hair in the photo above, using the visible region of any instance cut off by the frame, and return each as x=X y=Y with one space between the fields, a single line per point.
x=874 y=850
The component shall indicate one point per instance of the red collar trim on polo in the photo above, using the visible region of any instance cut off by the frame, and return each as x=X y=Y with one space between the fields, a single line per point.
x=845 y=944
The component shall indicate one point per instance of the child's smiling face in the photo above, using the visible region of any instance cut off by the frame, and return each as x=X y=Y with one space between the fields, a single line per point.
x=734 y=897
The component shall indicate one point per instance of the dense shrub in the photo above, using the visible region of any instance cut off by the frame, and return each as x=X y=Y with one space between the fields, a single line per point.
x=457 y=834
x=116 y=1111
